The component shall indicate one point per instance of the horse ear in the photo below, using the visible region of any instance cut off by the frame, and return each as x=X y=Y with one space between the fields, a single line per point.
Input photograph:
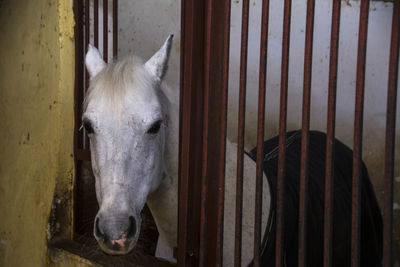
x=158 y=63
x=94 y=62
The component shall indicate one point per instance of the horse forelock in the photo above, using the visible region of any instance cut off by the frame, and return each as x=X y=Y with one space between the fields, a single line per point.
x=124 y=78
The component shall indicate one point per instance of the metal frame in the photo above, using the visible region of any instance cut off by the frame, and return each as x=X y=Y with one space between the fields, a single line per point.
x=198 y=118
x=204 y=81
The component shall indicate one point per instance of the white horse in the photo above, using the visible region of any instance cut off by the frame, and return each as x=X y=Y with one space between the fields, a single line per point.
x=132 y=120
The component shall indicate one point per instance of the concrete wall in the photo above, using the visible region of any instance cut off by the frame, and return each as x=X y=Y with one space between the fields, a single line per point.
x=143 y=26
x=36 y=111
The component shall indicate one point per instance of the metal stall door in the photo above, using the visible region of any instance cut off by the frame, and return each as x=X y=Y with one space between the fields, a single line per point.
x=204 y=76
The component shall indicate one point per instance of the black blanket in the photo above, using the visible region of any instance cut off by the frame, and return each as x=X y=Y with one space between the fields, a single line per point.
x=371 y=219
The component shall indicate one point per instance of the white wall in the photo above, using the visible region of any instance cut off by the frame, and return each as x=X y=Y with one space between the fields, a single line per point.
x=144 y=25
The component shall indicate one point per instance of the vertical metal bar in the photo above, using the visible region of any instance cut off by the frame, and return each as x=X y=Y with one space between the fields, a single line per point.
x=241 y=125
x=260 y=131
x=87 y=40
x=390 y=136
x=302 y=261
x=115 y=28
x=87 y=27
x=96 y=23
x=223 y=132
x=282 y=135
x=190 y=130
x=330 y=136
x=214 y=130
x=204 y=180
x=79 y=70
x=183 y=186
x=358 y=126
x=79 y=82
x=105 y=30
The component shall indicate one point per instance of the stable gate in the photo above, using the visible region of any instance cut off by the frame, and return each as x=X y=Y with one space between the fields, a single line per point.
x=204 y=84
x=205 y=31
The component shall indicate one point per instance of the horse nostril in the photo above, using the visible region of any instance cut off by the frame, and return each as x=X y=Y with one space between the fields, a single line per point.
x=132 y=228
x=97 y=230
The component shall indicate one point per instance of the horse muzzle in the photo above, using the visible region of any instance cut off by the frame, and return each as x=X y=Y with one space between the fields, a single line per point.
x=116 y=235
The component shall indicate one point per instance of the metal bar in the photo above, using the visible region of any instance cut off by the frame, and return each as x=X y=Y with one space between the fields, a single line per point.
x=282 y=135
x=183 y=187
x=96 y=23
x=260 y=131
x=105 y=30
x=190 y=130
x=390 y=136
x=241 y=126
x=204 y=180
x=79 y=83
x=330 y=135
x=87 y=40
x=302 y=261
x=79 y=70
x=115 y=28
x=217 y=14
x=87 y=26
x=226 y=7
x=358 y=126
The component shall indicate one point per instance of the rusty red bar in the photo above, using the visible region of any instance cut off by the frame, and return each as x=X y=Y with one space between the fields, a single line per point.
x=390 y=137
x=282 y=135
x=358 y=126
x=105 y=30
x=96 y=23
x=330 y=133
x=241 y=125
x=190 y=131
x=260 y=131
x=302 y=261
x=115 y=28
x=204 y=179
x=216 y=59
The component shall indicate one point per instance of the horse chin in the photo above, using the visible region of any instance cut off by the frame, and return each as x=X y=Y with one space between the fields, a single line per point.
x=118 y=250
x=118 y=247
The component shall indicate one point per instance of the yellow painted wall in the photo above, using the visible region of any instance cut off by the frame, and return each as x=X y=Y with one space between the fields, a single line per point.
x=36 y=122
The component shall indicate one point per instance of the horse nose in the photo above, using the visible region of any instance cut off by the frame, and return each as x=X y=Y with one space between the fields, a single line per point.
x=132 y=228
x=114 y=230
x=97 y=232
x=115 y=235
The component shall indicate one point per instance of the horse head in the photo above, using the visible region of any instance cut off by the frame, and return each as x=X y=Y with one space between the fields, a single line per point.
x=126 y=119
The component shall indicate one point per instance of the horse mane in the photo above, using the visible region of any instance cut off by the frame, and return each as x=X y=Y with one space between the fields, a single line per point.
x=116 y=79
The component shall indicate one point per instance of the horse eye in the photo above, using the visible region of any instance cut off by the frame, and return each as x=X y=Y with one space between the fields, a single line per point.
x=88 y=126
x=154 y=128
